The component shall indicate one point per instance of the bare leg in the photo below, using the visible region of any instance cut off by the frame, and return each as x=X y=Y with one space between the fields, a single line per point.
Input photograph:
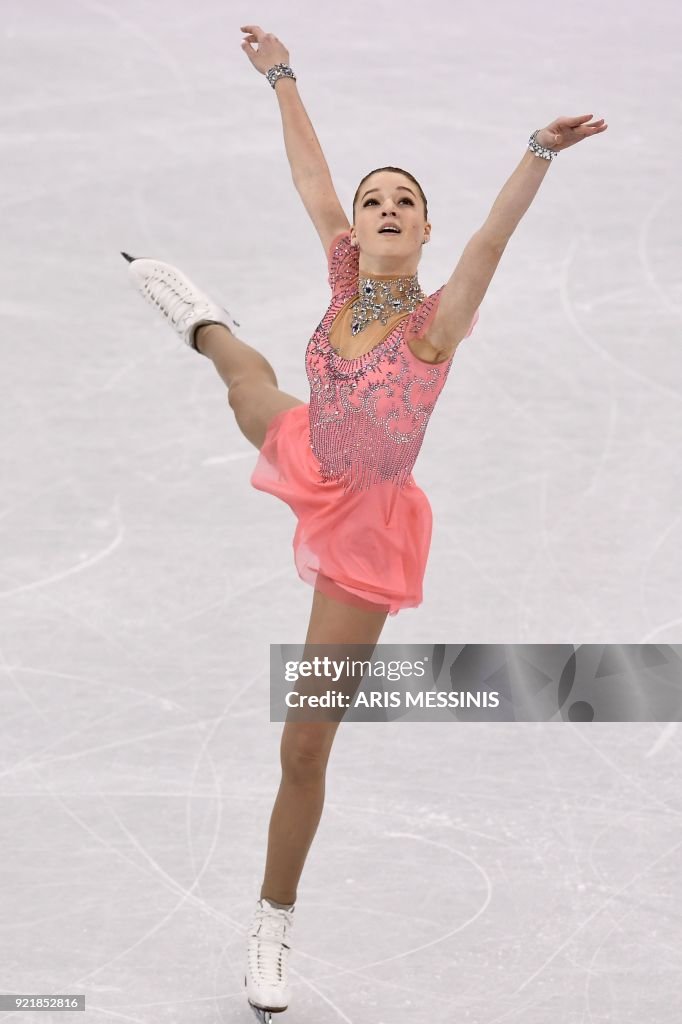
x=251 y=382
x=304 y=752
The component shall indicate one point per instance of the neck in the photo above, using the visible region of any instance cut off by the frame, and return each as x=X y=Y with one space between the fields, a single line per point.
x=368 y=272
x=388 y=286
x=381 y=296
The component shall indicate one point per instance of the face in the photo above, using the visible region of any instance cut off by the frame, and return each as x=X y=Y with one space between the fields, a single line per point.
x=389 y=198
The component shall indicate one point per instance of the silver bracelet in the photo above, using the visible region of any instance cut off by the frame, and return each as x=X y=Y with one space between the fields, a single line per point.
x=535 y=147
x=277 y=72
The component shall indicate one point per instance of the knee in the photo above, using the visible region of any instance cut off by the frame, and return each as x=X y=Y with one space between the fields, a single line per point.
x=238 y=395
x=304 y=758
x=246 y=387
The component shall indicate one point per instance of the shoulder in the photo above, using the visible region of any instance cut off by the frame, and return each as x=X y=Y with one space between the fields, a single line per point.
x=421 y=318
x=425 y=325
x=343 y=263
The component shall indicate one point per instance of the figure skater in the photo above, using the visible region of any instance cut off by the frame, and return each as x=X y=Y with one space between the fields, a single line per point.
x=343 y=462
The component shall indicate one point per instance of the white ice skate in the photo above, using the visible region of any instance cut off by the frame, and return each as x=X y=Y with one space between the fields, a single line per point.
x=266 y=978
x=184 y=306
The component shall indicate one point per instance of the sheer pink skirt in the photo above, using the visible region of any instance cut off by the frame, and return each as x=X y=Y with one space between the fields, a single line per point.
x=366 y=548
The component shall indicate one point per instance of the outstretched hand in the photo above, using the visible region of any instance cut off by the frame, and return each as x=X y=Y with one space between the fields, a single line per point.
x=270 y=51
x=566 y=131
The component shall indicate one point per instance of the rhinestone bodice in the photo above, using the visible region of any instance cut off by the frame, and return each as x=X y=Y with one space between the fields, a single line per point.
x=368 y=415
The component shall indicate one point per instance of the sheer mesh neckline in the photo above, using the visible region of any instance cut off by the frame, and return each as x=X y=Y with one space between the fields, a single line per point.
x=363 y=355
x=326 y=339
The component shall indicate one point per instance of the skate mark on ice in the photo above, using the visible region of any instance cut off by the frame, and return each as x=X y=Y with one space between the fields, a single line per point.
x=447 y=935
x=665 y=734
x=87 y=563
x=591 y=917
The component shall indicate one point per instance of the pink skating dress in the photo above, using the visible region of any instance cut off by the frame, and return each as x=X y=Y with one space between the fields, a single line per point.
x=343 y=462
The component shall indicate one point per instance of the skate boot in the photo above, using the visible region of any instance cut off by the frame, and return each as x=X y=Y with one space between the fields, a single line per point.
x=266 y=978
x=184 y=306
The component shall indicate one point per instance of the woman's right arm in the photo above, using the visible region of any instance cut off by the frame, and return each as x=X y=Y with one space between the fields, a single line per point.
x=305 y=154
x=309 y=168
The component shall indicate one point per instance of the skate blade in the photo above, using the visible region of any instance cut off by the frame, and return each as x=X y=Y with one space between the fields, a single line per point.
x=264 y=1016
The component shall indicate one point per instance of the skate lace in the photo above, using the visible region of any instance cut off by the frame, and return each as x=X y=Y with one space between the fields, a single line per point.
x=171 y=302
x=268 y=950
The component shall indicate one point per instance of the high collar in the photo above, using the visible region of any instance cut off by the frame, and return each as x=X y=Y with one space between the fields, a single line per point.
x=386 y=277
x=381 y=296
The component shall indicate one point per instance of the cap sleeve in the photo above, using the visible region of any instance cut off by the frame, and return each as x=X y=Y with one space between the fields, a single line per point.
x=420 y=321
x=344 y=264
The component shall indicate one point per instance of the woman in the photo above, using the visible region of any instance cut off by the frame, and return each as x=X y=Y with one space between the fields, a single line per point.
x=343 y=462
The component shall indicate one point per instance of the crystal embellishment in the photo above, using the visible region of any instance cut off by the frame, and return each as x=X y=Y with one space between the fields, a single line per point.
x=368 y=415
x=377 y=300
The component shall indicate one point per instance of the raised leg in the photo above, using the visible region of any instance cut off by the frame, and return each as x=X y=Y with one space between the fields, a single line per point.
x=250 y=379
x=304 y=754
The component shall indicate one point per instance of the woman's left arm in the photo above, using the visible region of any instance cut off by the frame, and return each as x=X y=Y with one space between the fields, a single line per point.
x=519 y=191
x=464 y=292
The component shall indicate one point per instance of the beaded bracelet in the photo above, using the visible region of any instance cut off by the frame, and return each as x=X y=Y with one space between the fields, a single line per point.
x=277 y=72
x=535 y=147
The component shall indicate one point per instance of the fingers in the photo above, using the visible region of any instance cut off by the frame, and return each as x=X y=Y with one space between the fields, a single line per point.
x=598 y=126
x=572 y=122
x=254 y=35
x=575 y=121
x=579 y=123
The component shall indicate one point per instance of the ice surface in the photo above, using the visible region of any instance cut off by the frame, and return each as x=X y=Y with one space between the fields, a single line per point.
x=483 y=874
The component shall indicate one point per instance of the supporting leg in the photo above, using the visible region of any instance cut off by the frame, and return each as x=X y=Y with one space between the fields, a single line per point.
x=305 y=750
